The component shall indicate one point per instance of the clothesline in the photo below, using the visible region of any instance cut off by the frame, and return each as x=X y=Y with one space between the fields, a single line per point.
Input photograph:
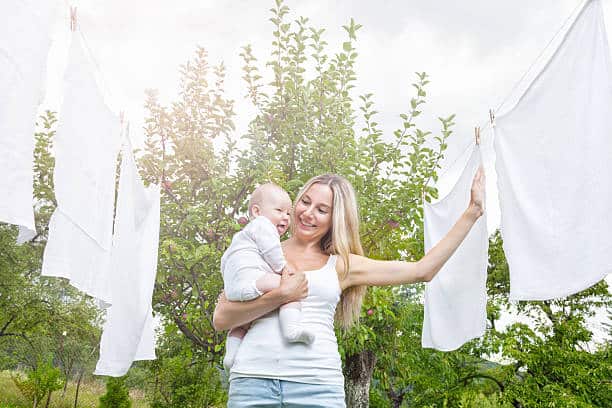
x=487 y=123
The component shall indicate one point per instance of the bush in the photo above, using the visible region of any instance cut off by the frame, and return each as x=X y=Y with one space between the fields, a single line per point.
x=117 y=394
x=39 y=382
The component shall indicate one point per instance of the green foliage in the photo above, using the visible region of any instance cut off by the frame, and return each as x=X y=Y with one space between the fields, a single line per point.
x=117 y=395
x=40 y=382
x=181 y=377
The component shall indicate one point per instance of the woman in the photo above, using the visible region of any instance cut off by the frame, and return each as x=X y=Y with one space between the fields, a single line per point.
x=325 y=245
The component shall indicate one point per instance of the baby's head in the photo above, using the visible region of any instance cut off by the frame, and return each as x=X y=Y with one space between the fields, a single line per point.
x=271 y=201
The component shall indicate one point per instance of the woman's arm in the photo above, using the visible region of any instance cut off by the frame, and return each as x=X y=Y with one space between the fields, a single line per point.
x=365 y=271
x=232 y=314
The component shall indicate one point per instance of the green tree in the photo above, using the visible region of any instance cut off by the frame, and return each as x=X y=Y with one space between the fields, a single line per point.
x=305 y=125
x=554 y=361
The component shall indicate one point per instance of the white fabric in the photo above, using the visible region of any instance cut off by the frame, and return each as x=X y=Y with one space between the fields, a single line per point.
x=264 y=352
x=554 y=167
x=254 y=251
x=25 y=28
x=456 y=298
x=86 y=147
x=128 y=331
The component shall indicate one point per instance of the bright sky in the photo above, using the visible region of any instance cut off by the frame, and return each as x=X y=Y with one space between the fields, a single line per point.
x=474 y=51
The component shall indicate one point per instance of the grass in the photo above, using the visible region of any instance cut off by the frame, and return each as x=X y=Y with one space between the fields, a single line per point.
x=89 y=395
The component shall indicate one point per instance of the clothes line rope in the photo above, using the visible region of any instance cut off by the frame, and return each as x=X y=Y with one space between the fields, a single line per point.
x=489 y=122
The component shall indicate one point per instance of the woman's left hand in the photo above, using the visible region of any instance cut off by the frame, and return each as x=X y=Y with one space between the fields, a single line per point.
x=477 y=199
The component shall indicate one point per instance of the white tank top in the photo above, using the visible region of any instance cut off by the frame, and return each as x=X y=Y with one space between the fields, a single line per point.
x=264 y=353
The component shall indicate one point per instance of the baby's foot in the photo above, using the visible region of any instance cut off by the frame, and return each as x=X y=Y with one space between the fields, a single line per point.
x=301 y=336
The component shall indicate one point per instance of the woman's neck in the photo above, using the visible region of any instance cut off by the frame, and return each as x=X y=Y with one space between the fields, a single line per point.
x=305 y=246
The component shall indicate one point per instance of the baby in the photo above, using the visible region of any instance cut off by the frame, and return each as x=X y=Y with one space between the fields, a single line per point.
x=254 y=261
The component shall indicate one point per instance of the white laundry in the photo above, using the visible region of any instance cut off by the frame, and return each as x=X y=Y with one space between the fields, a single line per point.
x=128 y=332
x=554 y=168
x=86 y=148
x=25 y=38
x=456 y=298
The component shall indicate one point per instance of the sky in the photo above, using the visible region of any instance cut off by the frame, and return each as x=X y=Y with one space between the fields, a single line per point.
x=474 y=51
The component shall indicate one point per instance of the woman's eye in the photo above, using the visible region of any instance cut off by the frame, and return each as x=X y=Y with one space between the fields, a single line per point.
x=322 y=212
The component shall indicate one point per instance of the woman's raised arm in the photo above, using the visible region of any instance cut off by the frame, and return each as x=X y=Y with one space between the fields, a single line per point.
x=366 y=271
x=232 y=314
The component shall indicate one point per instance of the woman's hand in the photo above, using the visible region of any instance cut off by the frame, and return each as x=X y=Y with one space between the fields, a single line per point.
x=293 y=285
x=477 y=192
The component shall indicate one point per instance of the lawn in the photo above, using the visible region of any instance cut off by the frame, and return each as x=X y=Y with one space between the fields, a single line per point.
x=89 y=395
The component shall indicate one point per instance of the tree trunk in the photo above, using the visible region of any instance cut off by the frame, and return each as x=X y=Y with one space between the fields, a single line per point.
x=48 y=399
x=357 y=375
x=76 y=396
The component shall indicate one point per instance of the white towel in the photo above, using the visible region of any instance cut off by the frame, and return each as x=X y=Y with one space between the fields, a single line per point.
x=128 y=331
x=86 y=148
x=25 y=38
x=456 y=298
x=554 y=168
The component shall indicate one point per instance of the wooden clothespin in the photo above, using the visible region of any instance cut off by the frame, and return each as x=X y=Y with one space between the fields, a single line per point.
x=73 y=18
x=492 y=117
x=477 y=135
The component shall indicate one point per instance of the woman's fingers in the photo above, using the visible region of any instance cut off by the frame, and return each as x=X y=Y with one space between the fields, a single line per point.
x=294 y=287
x=478 y=189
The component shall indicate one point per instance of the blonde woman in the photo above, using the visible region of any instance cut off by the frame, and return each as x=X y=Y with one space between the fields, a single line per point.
x=325 y=246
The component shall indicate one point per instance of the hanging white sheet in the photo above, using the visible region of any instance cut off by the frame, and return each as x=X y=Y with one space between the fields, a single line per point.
x=554 y=168
x=128 y=331
x=25 y=38
x=86 y=148
x=456 y=298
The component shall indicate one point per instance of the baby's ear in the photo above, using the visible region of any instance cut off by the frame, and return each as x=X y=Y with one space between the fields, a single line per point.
x=255 y=210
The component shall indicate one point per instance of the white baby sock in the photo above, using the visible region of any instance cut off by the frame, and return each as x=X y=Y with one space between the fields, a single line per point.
x=232 y=343
x=290 y=317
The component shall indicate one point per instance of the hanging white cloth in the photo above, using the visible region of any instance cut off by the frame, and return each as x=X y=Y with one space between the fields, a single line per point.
x=128 y=331
x=554 y=168
x=25 y=38
x=456 y=298
x=86 y=148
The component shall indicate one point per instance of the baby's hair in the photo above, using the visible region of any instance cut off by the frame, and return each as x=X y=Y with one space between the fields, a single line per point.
x=260 y=192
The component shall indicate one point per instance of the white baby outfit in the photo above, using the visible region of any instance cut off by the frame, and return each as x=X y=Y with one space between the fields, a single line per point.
x=254 y=251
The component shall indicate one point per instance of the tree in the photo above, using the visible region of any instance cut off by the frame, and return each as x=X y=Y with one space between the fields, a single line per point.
x=553 y=358
x=305 y=125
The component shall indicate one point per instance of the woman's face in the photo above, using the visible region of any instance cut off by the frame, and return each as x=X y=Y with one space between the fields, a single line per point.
x=313 y=213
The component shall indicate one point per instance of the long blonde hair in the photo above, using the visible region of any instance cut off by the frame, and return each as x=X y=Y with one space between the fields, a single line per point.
x=342 y=239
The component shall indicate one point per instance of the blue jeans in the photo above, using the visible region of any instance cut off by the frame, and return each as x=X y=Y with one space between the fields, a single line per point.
x=271 y=393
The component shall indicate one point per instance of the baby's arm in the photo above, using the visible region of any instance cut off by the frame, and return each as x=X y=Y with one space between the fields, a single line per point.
x=264 y=234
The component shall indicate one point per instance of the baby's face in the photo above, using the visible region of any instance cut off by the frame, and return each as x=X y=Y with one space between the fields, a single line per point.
x=276 y=206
